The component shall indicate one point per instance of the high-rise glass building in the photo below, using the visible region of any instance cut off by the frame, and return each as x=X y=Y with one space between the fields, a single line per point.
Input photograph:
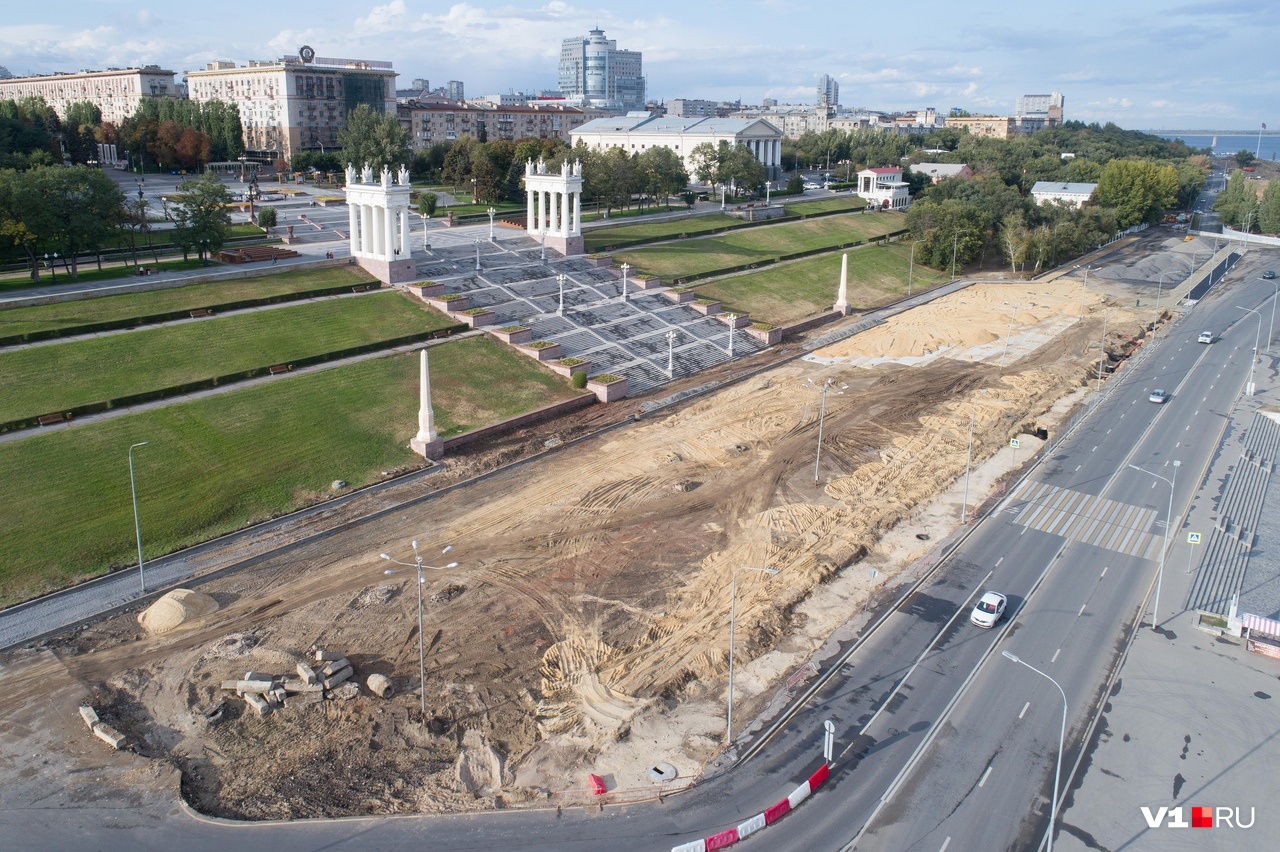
x=593 y=72
x=828 y=92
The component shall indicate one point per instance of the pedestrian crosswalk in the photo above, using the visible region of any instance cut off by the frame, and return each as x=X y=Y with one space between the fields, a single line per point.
x=1088 y=519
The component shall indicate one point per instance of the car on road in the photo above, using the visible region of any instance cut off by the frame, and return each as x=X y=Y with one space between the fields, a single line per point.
x=988 y=610
x=1269 y=274
x=811 y=185
x=1205 y=337
x=1158 y=396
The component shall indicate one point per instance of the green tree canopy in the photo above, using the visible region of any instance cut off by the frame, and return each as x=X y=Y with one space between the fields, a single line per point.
x=1139 y=190
x=374 y=139
x=201 y=215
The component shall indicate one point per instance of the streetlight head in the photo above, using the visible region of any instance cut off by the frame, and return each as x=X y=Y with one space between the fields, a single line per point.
x=447 y=548
x=414 y=543
x=386 y=556
x=770 y=570
x=1011 y=656
x=389 y=570
x=1135 y=467
x=452 y=565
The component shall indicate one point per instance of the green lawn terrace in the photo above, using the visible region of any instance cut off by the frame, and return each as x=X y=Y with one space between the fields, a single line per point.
x=216 y=464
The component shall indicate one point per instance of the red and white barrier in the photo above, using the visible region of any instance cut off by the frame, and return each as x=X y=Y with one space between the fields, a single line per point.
x=730 y=836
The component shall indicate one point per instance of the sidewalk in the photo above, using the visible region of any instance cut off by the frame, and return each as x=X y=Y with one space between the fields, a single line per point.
x=1193 y=719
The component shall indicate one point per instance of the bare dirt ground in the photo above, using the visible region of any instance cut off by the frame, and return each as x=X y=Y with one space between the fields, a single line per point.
x=585 y=628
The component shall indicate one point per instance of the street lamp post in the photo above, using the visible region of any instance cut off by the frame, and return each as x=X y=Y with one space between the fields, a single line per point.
x=492 y=211
x=733 y=322
x=422 y=649
x=1084 y=289
x=955 y=242
x=544 y=243
x=1253 y=360
x=137 y=528
x=1008 y=334
x=733 y=612
x=1062 y=736
x=822 y=391
x=1168 y=525
x=1102 y=356
x=911 y=266
x=968 y=459
x=626 y=267
x=560 y=279
x=671 y=354
x=477 y=241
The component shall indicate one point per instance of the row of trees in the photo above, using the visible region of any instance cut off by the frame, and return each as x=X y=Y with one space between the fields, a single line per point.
x=1239 y=204
x=69 y=212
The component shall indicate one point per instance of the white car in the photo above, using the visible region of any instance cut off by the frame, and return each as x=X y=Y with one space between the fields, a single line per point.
x=1159 y=396
x=988 y=610
x=1206 y=337
x=811 y=185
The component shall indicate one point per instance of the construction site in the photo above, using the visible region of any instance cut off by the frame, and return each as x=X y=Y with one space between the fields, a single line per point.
x=585 y=627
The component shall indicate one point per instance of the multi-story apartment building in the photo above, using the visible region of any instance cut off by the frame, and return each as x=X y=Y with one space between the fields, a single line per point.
x=295 y=103
x=432 y=123
x=793 y=121
x=594 y=73
x=693 y=108
x=995 y=127
x=1035 y=112
x=828 y=93
x=116 y=91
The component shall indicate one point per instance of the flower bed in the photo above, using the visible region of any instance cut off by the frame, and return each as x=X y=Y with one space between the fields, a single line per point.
x=541 y=350
x=680 y=295
x=765 y=332
x=569 y=366
x=706 y=307
x=476 y=317
x=450 y=302
x=513 y=334
x=607 y=387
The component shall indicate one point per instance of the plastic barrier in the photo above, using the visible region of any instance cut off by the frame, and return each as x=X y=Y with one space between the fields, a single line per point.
x=798 y=795
x=597 y=784
x=691 y=846
x=750 y=826
x=728 y=837
x=777 y=812
x=817 y=778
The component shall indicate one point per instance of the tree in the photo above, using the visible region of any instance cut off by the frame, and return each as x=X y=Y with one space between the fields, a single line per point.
x=1237 y=201
x=456 y=168
x=374 y=139
x=661 y=172
x=427 y=204
x=1244 y=158
x=267 y=218
x=1015 y=240
x=1139 y=190
x=82 y=209
x=1269 y=211
x=200 y=212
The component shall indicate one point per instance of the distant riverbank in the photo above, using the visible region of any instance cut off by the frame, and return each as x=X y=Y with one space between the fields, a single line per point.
x=1226 y=143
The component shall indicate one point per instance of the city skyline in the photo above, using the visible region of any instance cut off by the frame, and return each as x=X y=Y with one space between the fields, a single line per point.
x=1112 y=65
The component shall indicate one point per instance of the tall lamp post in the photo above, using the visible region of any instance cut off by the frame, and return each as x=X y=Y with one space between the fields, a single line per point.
x=560 y=279
x=1009 y=334
x=1168 y=524
x=544 y=243
x=911 y=266
x=422 y=648
x=1256 y=338
x=492 y=211
x=955 y=243
x=477 y=241
x=733 y=323
x=1271 y=329
x=671 y=354
x=137 y=528
x=626 y=267
x=968 y=459
x=733 y=613
x=822 y=390
x=1062 y=736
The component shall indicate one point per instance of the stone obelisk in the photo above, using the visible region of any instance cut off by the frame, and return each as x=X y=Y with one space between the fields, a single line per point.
x=426 y=443
x=842 y=298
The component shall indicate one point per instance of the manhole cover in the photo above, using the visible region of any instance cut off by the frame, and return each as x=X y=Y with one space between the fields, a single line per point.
x=660 y=772
x=922 y=536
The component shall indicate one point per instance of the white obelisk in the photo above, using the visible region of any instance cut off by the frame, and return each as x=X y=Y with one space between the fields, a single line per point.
x=842 y=298
x=426 y=443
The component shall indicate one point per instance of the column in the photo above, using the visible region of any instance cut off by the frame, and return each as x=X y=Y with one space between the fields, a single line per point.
x=352 y=234
x=577 y=213
x=564 y=214
x=364 y=230
x=388 y=233
x=555 y=212
x=404 y=231
x=529 y=223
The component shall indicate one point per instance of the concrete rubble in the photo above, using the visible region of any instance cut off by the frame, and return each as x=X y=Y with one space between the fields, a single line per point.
x=329 y=679
x=100 y=729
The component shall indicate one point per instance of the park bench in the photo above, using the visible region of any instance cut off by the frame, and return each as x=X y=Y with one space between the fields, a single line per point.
x=279 y=368
x=201 y=312
x=50 y=419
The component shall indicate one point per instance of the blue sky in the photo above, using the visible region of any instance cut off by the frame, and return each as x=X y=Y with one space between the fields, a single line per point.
x=1142 y=64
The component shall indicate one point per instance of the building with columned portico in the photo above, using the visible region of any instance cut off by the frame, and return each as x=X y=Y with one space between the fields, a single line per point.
x=637 y=132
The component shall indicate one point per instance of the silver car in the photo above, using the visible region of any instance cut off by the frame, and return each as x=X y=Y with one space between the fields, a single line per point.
x=989 y=610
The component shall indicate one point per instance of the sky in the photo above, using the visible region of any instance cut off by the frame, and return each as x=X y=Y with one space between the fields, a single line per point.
x=1143 y=64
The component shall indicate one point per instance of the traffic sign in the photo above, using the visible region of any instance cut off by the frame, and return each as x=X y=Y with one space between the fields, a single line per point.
x=1015 y=443
x=1193 y=538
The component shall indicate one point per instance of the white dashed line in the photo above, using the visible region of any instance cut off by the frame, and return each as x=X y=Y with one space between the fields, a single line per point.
x=985 y=775
x=1104 y=572
x=1055 y=655
x=1081 y=612
x=945 y=844
x=1024 y=709
x=998 y=561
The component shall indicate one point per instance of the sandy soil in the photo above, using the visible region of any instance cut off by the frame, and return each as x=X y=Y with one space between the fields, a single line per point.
x=585 y=627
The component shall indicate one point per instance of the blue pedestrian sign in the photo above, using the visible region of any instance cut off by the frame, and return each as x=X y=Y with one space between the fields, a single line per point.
x=1193 y=538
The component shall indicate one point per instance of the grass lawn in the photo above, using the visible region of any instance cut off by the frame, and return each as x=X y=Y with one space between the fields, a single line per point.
x=214 y=465
x=792 y=291
x=90 y=272
x=707 y=254
x=827 y=205
x=190 y=297
x=597 y=238
x=41 y=379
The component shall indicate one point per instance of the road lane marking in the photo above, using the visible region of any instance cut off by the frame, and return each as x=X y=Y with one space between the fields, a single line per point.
x=1108 y=431
x=1095 y=448
x=1024 y=709
x=984 y=776
x=1197 y=411
x=945 y=844
x=1081 y=612
x=1077 y=468
x=1188 y=429
x=998 y=561
x=1104 y=571
x=1055 y=655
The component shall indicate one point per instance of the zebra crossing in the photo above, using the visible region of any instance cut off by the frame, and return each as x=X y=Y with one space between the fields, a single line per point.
x=1088 y=519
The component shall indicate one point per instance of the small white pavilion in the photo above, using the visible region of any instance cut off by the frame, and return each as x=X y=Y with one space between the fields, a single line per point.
x=379 y=222
x=554 y=206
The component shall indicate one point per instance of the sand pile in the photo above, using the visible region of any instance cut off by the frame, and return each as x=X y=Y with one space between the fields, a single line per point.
x=174 y=609
x=969 y=325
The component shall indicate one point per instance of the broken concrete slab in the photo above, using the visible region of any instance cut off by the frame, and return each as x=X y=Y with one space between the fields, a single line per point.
x=346 y=691
x=301 y=699
x=381 y=685
x=258 y=676
x=258 y=703
x=109 y=735
x=256 y=686
x=307 y=673
x=296 y=686
x=332 y=666
x=324 y=656
x=337 y=678
x=89 y=715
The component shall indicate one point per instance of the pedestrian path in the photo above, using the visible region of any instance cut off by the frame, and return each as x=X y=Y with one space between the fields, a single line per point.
x=1087 y=518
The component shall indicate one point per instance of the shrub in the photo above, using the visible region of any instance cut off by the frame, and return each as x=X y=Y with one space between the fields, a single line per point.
x=542 y=344
x=578 y=380
x=605 y=378
x=475 y=312
x=449 y=297
x=512 y=329
x=571 y=362
x=267 y=218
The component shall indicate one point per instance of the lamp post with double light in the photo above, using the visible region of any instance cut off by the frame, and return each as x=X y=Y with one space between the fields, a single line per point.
x=733 y=613
x=1062 y=737
x=822 y=390
x=1168 y=525
x=492 y=211
x=1257 y=337
x=422 y=648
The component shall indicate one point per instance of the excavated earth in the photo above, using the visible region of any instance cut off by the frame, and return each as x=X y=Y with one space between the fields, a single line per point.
x=589 y=609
